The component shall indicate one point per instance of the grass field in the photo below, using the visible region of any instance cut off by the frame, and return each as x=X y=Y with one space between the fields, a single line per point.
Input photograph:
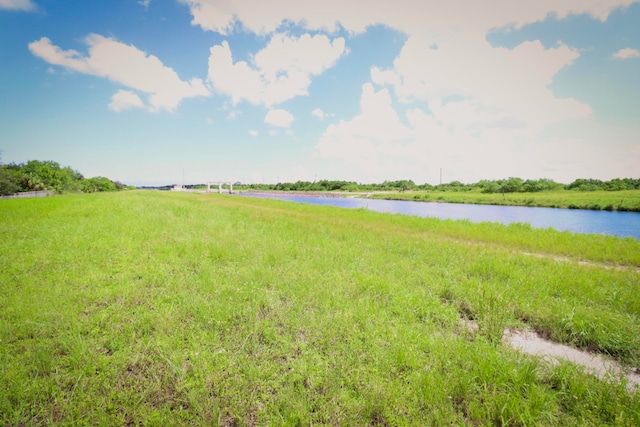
x=159 y=308
x=594 y=200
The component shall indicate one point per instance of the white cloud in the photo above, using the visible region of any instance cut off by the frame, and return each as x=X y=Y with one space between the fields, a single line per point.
x=24 y=5
x=125 y=99
x=278 y=117
x=470 y=141
x=254 y=133
x=511 y=86
x=405 y=15
x=307 y=54
x=144 y=3
x=626 y=53
x=480 y=97
x=318 y=113
x=279 y=72
x=371 y=139
x=513 y=83
x=321 y=114
x=126 y=65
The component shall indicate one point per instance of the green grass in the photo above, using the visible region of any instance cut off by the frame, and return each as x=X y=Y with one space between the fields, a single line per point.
x=157 y=308
x=594 y=200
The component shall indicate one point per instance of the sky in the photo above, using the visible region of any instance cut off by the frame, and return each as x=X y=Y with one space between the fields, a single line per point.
x=154 y=92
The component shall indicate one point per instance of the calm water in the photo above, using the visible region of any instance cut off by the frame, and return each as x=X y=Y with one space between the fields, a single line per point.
x=581 y=221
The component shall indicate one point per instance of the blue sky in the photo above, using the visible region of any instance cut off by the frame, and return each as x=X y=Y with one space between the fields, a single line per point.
x=149 y=92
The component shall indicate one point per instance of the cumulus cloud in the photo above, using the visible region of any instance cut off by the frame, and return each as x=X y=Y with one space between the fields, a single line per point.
x=126 y=65
x=125 y=99
x=377 y=121
x=626 y=53
x=513 y=83
x=469 y=140
x=278 y=117
x=503 y=85
x=279 y=72
x=405 y=15
x=254 y=133
x=374 y=137
x=23 y=5
x=484 y=102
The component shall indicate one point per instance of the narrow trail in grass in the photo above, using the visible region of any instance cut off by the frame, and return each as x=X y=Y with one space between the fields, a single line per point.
x=529 y=342
x=551 y=256
x=583 y=262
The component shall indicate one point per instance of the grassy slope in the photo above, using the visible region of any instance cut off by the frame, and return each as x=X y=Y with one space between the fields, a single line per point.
x=595 y=200
x=164 y=308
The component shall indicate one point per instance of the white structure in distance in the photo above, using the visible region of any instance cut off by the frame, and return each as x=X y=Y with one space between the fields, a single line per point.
x=220 y=184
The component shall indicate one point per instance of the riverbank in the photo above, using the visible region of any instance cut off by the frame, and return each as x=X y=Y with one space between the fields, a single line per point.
x=329 y=194
x=621 y=224
x=175 y=308
x=628 y=200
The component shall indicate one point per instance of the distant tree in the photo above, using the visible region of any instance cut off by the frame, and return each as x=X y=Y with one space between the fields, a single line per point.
x=36 y=175
x=10 y=181
x=425 y=186
x=402 y=185
x=351 y=187
x=97 y=184
x=284 y=186
x=581 y=184
x=487 y=186
x=48 y=175
x=533 y=186
x=453 y=186
x=512 y=185
x=618 y=184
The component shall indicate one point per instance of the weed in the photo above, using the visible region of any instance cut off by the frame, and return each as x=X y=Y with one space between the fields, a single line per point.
x=492 y=316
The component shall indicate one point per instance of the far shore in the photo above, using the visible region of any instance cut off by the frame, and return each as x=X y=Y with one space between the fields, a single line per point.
x=621 y=201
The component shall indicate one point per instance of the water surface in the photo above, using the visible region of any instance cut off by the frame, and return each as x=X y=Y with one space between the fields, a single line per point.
x=621 y=224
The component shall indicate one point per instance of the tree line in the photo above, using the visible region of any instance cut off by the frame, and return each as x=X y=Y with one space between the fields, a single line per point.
x=510 y=185
x=36 y=175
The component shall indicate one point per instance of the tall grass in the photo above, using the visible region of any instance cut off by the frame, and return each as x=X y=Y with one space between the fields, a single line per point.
x=175 y=309
x=627 y=200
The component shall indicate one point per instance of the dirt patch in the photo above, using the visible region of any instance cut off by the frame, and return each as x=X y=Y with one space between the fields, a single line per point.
x=531 y=343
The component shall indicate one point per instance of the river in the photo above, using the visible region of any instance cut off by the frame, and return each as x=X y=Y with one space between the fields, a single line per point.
x=622 y=224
